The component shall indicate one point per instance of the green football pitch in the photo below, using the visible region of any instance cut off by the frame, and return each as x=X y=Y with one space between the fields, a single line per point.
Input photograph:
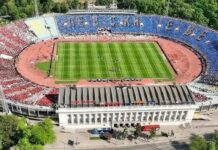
x=110 y=60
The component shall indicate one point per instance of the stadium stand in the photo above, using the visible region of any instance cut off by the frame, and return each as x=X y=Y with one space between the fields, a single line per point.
x=43 y=27
x=15 y=36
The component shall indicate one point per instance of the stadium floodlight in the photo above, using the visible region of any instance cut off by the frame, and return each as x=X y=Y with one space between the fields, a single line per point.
x=167 y=8
x=36 y=8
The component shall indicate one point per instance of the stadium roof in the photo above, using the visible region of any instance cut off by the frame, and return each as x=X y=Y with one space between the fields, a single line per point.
x=100 y=11
x=124 y=95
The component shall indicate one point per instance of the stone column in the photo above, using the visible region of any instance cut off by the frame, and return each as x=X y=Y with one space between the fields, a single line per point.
x=165 y=114
x=84 y=118
x=180 y=118
x=154 y=113
x=136 y=116
x=177 y=113
x=78 y=119
x=130 y=117
x=90 y=118
x=142 y=116
x=170 y=116
x=148 y=117
x=159 y=115
x=96 y=116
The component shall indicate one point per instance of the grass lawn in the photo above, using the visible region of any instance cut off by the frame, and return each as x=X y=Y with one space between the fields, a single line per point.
x=43 y=65
x=95 y=60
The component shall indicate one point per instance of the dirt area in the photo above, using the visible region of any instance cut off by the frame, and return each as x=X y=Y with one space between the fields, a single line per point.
x=185 y=63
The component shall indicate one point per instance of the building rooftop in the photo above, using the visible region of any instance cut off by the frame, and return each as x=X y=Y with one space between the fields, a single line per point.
x=100 y=11
x=124 y=96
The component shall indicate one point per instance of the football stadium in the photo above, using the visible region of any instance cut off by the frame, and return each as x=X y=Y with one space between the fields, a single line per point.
x=108 y=68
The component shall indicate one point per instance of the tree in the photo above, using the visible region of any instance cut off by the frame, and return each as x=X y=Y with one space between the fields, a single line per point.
x=103 y=2
x=198 y=16
x=3 y=10
x=57 y=9
x=152 y=132
x=211 y=145
x=73 y=4
x=24 y=144
x=14 y=131
x=22 y=129
x=64 y=7
x=8 y=125
x=200 y=11
x=138 y=131
x=42 y=133
x=85 y=5
x=198 y=143
x=215 y=137
x=107 y=136
x=13 y=10
x=46 y=5
x=125 y=133
x=1 y=141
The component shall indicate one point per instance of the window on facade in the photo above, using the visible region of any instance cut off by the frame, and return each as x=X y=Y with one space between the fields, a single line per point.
x=128 y=116
x=116 y=116
x=87 y=118
x=150 y=116
x=145 y=116
x=121 y=117
x=156 y=116
x=162 y=116
x=134 y=116
x=173 y=116
x=93 y=118
x=69 y=119
x=139 y=116
x=167 y=116
x=110 y=117
x=99 y=118
x=178 y=115
x=75 y=118
x=184 y=115
x=81 y=118
x=104 y=117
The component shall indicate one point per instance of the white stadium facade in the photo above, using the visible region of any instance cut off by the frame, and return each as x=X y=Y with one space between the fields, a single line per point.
x=87 y=107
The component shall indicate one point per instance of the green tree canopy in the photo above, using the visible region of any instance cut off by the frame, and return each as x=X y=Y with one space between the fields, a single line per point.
x=15 y=131
x=198 y=143
x=200 y=11
x=73 y=4
x=42 y=133
x=103 y=2
x=8 y=125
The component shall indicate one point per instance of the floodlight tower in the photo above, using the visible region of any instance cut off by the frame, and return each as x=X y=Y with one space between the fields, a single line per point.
x=167 y=9
x=36 y=8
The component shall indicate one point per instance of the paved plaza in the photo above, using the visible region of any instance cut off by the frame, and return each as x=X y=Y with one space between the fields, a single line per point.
x=178 y=141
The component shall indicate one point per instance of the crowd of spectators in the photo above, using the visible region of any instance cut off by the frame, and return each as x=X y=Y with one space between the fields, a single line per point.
x=198 y=97
x=209 y=79
x=14 y=37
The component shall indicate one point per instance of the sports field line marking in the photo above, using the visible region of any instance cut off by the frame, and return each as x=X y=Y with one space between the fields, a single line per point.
x=84 y=65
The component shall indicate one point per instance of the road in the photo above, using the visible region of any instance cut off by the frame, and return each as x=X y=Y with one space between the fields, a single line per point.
x=174 y=145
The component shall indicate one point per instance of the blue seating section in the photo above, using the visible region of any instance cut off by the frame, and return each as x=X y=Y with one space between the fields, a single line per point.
x=202 y=39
